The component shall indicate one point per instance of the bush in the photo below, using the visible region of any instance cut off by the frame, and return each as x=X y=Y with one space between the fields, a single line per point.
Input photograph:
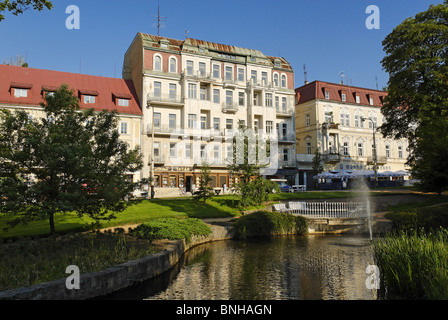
x=171 y=229
x=265 y=224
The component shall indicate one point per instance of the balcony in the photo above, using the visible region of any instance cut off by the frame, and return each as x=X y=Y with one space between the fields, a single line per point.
x=290 y=163
x=230 y=83
x=332 y=158
x=200 y=76
x=168 y=100
x=381 y=160
x=287 y=138
x=158 y=160
x=162 y=129
x=230 y=107
x=285 y=112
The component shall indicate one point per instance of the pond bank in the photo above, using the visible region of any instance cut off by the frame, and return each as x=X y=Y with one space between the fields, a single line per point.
x=128 y=274
x=119 y=277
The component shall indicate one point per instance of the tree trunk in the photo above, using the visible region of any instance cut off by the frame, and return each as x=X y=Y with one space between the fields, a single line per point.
x=52 y=229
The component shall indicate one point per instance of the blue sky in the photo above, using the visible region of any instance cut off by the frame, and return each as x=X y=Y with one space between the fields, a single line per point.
x=328 y=36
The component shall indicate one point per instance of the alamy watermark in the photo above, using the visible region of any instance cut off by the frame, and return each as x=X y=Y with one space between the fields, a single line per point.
x=373 y=280
x=373 y=20
x=73 y=21
x=73 y=281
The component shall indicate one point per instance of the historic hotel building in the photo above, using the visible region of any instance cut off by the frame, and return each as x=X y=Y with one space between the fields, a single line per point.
x=192 y=91
x=339 y=121
x=23 y=88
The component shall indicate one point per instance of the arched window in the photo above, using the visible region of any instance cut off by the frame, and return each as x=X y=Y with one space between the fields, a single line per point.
x=283 y=81
x=173 y=65
x=158 y=63
x=276 y=79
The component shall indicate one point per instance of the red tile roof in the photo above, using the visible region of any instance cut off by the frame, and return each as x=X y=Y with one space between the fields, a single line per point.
x=316 y=90
x=38 y=80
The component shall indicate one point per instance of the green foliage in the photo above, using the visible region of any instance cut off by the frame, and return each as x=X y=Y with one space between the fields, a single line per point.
x=417 y=104
x=265 y=224
x=171 y=228
x=317 y=163
x=256 y=191
x=25 y=263
x=424 y=219
x=246 y=165
x=413 y=266
x=76 y=158
x=205 y=191
x=429 y=160
x=416 y=61
x=17 y=7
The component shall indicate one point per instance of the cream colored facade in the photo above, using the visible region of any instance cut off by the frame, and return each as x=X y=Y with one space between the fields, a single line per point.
x=337 y=130
x=193 y=92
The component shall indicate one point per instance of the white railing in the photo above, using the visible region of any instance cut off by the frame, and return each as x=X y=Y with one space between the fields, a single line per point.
x=324 y=209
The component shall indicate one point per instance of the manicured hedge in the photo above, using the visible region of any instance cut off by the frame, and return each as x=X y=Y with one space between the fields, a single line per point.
x=265 y=224
x=171 y=229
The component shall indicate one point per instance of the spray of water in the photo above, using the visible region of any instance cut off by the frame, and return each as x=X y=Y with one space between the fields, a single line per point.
x=363 y=195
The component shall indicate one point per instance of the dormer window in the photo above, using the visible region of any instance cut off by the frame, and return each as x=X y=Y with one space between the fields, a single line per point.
x=121 y=99
x=123 y=102
x=89 y=99
x=370 y=96
x=327 y=94
x=48 y=91
x=88 y=96
x=20 y=93
x=20 y=90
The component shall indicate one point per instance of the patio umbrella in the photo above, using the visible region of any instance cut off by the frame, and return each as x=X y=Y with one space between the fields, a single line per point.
x=325 y=175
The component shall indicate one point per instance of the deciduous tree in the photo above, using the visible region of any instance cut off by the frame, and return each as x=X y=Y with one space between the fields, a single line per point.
x=417 y=62
x=73 y=161
x=17 y=7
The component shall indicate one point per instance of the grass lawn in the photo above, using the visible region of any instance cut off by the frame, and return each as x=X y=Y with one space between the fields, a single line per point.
x=218 y=207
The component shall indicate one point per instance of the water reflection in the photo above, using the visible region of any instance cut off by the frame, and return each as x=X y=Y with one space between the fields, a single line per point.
x=311 y=267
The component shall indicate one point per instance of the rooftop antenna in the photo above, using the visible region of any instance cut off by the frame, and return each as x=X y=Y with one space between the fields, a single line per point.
x=305 y=73
x=159 y=20
x=376 y=80
x=186 y=33
x=342 y=75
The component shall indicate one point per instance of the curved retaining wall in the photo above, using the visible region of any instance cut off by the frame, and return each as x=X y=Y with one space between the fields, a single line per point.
x=119 y=277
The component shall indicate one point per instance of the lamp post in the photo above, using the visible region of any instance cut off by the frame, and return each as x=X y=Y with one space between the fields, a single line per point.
x=375 y=159
x=152 y=149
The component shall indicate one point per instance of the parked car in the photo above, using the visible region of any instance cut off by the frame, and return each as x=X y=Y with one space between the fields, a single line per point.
x=284 y=187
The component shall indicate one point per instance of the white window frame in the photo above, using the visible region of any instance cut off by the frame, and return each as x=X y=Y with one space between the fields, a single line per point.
x=157 y=67
x=123 y=102
x=216 y=71
x=124 y=127
x=284 y=81
x=171 y=69
x=20 y=93
x=89 y=99
x=192 y=91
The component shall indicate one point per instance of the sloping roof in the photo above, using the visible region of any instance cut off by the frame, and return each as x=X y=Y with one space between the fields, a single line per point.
x=153 y=41
x=316 y=90
x=38 y=80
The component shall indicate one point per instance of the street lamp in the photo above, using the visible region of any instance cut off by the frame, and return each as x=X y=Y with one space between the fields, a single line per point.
x=152 y=149
x=375 y=159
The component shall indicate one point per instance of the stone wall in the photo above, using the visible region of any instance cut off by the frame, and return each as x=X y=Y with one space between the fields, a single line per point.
x=119 y=277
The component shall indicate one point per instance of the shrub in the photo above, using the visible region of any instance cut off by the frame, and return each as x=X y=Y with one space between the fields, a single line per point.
x=171 y=229
x=265 y=224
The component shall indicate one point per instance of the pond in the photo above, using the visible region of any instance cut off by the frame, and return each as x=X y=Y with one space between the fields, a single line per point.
x=280 y=268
